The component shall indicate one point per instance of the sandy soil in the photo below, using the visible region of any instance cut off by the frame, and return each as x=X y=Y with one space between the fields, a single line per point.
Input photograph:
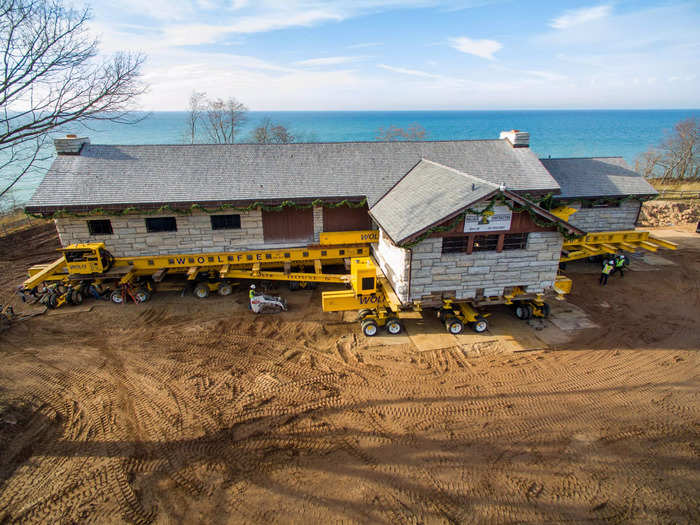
x=181 y=410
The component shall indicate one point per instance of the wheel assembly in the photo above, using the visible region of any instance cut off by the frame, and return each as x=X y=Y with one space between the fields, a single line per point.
x=201 y=291
x=523 y=311
x=225 y=289
x=480 y=325
x=393 y=326
x=142 y=295
x=369 y=327
x=454 y=325
x=76 y=297
x=116 y=297
x=364 y=313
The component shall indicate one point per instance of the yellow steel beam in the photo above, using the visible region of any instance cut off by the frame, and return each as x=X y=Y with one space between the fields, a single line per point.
x=45 y=273
x=318 y=266
x=276 y=257
x=292 y=276
x=664 y=244
x=351 y=237
x=628 y=247
x=609 y=248
x=192 y=273
x=648 y=246
x=343 y=300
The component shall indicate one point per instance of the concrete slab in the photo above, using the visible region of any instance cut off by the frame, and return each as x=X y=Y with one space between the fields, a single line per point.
x=506 y=333
x=429 y=334
x=567 y=317
x=654 y=260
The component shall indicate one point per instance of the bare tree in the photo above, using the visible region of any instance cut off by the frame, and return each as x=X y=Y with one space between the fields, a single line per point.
x=194 y=117
x=51 y=77
x=677 y=157
x=224 y=119
x=392 y=133
x=270 y=133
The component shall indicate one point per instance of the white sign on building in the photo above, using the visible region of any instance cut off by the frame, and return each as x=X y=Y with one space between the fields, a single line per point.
x=498 y=219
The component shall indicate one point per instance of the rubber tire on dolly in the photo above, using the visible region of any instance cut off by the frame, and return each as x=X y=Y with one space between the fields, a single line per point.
x=142 y=295
x=480 y=325
x=76 y=297
x=393 y=326
x=454 y=325
x=224 y=289
x=201 y=291
x=546 y=310
x=363 y=313
x=523 y=311
x=369 y=327
x=116 y=297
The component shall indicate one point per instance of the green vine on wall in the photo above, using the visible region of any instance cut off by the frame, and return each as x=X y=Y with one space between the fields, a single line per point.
x=258 y=205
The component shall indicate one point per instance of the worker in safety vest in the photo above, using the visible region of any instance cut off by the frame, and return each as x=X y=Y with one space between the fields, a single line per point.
x=620 y=261
x=608 y=266
x=251 y=296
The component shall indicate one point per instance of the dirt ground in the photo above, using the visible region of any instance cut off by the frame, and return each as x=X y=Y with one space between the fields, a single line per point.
x=181 y=410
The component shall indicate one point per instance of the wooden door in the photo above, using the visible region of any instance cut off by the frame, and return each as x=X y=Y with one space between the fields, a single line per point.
x=288 y=225
x=344 y=219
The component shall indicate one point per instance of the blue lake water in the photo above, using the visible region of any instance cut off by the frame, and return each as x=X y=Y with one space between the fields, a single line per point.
x=556 y=133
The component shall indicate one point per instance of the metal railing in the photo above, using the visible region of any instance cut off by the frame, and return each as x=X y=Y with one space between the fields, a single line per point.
x=678 y=194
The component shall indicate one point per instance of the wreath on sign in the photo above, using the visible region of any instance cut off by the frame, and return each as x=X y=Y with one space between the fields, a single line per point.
x=258 y=205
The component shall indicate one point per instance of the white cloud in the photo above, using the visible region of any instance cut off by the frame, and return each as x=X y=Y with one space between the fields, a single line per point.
x=480 y=48
x=575 y=17
x=364 y=44
x=412 y=72
x=328 y=61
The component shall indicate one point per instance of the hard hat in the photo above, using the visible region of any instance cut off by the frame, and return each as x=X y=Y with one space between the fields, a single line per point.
x=252 y=287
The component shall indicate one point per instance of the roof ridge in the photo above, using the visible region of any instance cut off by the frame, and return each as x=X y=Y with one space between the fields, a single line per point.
x=584 y=158
x=458 y=172
x=302 y=143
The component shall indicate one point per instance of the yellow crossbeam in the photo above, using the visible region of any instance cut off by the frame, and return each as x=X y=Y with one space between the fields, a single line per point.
x=664 y=244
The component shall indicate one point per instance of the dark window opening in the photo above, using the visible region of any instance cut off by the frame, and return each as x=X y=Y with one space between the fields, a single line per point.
x=225 y=222
x=455 y=244
x=485 y=243
x=100 y=227
x=590 y=204
x=161 y=224
x=515 y=241
x=368 y=283
x=77 y=255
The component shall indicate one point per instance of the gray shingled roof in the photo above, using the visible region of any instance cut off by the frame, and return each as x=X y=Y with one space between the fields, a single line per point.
x=110 y=175
x=596 y=177
x=426 y=195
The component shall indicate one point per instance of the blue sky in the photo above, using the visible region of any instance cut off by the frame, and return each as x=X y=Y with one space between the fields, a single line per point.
x=411 y=54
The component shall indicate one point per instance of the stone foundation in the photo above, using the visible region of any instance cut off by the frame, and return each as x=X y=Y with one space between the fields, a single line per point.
x=194 y=234
x=605 y=219
x=465 y=276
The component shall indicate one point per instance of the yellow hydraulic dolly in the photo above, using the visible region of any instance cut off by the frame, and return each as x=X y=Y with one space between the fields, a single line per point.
x=457 y=315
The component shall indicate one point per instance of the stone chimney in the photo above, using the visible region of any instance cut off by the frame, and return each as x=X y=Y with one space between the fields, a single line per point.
x=517 y=138
x=70 y=144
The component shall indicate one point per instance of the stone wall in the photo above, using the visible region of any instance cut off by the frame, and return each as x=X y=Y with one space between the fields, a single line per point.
x=605 y=219
x=194 y=234
x=395 y=262
x=466 y=276
x=318 y=222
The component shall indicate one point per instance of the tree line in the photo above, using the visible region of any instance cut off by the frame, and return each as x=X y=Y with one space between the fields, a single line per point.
x=219 y=121
x=677 y=157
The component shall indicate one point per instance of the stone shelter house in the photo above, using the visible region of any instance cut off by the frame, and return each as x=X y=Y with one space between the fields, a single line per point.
x=463 y=219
